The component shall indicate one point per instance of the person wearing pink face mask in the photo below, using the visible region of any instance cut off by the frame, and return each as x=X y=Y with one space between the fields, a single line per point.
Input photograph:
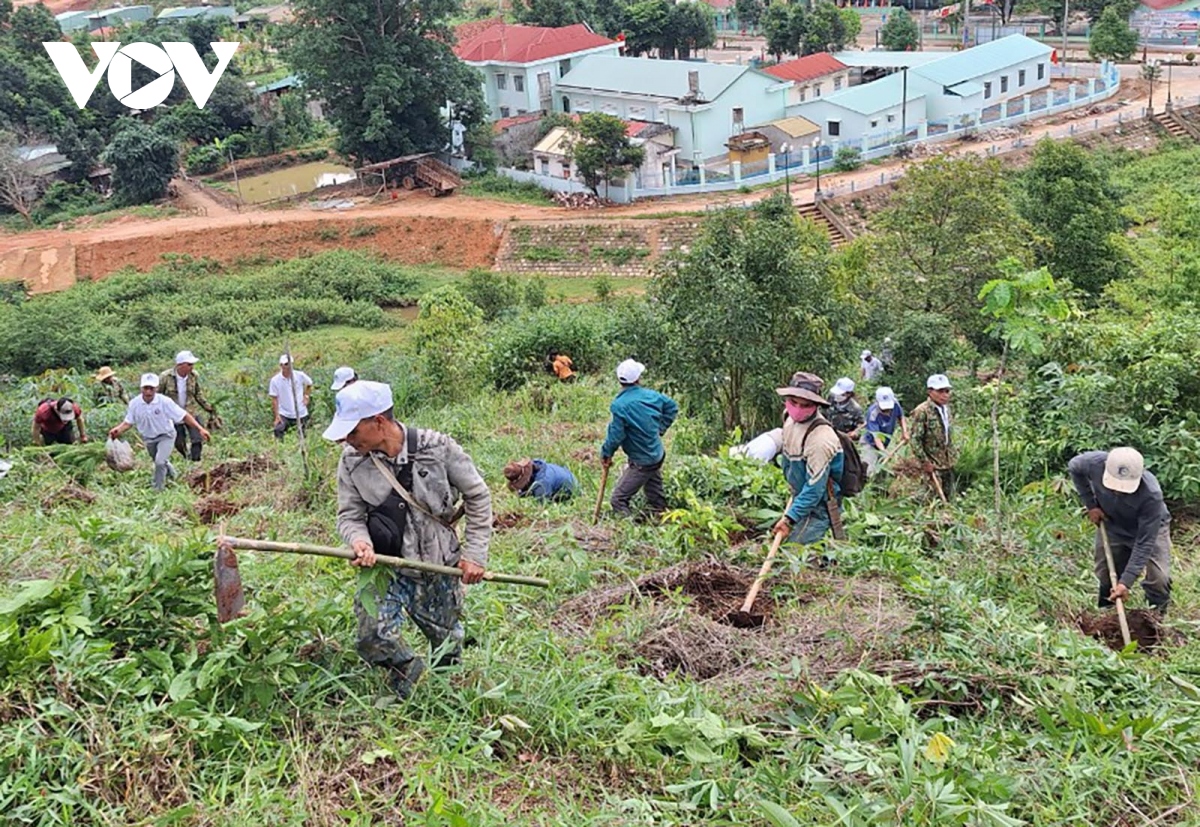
x=812 y=461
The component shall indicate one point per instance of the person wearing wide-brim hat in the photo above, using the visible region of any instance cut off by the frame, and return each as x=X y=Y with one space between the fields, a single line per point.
x=812 y=460
x=1120 y=494
x=540 y=479
x=109 y=389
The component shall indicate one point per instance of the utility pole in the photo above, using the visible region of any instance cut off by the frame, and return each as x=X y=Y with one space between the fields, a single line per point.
x=904 y=105
x=1066 y=14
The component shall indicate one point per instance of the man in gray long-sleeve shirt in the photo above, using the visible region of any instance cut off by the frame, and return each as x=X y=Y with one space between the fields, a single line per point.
x=374 y=517
x=1117 y=491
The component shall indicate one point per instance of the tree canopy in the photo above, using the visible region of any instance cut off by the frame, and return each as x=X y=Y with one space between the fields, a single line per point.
x=385 y=71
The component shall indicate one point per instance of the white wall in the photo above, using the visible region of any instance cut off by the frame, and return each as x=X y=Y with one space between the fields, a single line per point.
x=708 y=128
x=855 y=125
x=942 y=106
x=528 y=99
x=804 y=91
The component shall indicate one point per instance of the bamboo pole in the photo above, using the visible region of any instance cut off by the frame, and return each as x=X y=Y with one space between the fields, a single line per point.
x=394 y=562
x=762 y=573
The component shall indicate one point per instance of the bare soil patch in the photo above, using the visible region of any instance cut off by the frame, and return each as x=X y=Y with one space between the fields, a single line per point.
x=220 y=478
x=680 y=621
x=1145 y=627
x=510 y=519
x=214 y=508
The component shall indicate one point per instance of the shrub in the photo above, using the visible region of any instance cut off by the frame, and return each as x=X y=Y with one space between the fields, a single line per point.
x=847 y=159
x=493 y=294
x=520 y=346
x=447 y=333
x=204 y=160
x=63 y=200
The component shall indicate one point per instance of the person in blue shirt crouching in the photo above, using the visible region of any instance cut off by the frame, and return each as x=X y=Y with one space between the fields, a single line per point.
x=541 y=480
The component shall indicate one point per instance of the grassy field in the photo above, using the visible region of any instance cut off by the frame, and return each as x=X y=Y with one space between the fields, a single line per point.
x=928 y=677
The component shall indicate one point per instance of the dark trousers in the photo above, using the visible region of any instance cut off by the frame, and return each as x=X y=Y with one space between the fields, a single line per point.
x=1156 y=579
x=634 y=479
x=286 y=422
x=182 y=433
x=64 y=437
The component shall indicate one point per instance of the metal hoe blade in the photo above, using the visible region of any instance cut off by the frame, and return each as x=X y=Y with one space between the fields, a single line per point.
x=228 y=584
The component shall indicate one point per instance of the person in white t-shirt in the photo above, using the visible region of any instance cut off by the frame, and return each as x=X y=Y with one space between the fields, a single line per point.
x=155 y=417
x=283 y=389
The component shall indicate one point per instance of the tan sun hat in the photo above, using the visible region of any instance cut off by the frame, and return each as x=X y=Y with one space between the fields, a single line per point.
x=806 y=386
x=104 y=373
x=519 y=474
x=1123 y=470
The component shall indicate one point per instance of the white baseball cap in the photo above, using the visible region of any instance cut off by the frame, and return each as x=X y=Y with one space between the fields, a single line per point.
x=185 y=357
x=356 y=403
x=865 y=354
x=843 y=386
x=149 y=380
x=341 y=376
x=885 y=398
x=1123 y=470
x=937 y=382
x=630 y=371
x=66 y=409
x=283 y=360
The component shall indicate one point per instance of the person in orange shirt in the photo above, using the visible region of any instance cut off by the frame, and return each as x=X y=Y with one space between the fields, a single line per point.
x=561 y=364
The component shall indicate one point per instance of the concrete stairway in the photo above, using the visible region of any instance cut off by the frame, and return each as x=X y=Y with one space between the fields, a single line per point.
x=836 y=236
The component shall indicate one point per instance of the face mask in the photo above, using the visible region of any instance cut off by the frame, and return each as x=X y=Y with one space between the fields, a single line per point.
x=799 y=412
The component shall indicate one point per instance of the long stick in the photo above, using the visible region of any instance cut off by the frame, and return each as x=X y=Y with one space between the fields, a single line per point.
x=600 y=499
x=1112 y=578
x=762 y=573
x=937 y=484
x=296 y=403
x=395 y=562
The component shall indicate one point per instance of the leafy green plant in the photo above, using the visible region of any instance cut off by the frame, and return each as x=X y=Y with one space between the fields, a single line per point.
x=847 y=159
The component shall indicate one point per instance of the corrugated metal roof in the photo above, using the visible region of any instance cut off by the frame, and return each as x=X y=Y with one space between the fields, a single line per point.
x=555 y=142
x=870 y=98
x=655 y=78
x=983 y=60
x=795 y=126
x=888 y=60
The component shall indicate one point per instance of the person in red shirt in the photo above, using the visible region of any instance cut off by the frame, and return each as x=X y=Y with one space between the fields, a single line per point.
x=54 y=423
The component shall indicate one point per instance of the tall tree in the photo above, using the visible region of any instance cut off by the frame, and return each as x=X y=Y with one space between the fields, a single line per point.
x=690 y=28
x=778 y=30
x=749 y=303
x=646 y=26
x=948 y=226
x=384 y=70
x=824 y=29
x=900 y=32
x=749 y=12
x=1069 y=200
x=19 y=187
x=143 y=161
x=1112 y=38
x=601 y=149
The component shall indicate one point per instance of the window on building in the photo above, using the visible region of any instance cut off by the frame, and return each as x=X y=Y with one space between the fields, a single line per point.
x=891 y=118
x=1021 y=77
x=564 y=66
x=1003 y=84
x=1041 y=71
x=803 y=89
x=566 y=104
x=738 y=116
x=837 y=84
x=834 y=128
x=519 y=83
x=504 y=110
x=501 y=81
x=816 y=90
x=875 y=123
x=522 y=111
x=987 y=89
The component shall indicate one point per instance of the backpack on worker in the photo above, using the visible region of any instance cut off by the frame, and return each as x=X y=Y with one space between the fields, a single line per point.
x=854 y=470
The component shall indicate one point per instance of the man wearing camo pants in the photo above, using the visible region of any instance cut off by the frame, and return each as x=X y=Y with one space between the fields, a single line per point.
x=383 y=458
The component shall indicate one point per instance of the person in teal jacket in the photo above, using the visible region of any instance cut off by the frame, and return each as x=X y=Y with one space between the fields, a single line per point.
x=812 y=461
x=640 y=417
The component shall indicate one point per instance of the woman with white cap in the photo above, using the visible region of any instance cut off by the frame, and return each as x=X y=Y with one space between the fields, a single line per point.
x=155 y=416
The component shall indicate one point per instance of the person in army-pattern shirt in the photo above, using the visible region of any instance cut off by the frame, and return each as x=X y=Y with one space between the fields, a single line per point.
x=844 y=412
x=933 y=432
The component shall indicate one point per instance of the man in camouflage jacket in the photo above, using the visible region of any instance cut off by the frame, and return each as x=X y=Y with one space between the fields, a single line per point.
x=181 y=386
x=933 y=432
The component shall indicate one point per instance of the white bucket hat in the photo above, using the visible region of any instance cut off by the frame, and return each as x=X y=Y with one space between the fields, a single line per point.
x=65 y=409
x=185 y=357
x=843 y=386
x=1123 y=470
x=885 y=398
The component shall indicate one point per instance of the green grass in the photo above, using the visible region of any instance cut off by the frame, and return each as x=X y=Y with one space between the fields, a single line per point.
x=499 y=188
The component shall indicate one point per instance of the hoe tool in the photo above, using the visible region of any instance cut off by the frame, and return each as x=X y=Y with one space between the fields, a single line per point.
x=231 y=600
x=744 y=612
x=1112 y=578
x=600 y=498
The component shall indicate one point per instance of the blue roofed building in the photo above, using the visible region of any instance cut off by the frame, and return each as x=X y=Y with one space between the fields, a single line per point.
x=882 y=105
x=983 y=76
x=706 y=103
x=73 y=21
x=184 y=12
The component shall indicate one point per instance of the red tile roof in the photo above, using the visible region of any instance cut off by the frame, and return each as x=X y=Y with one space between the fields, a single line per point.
x=465 y=31
x=1160 y=5
x=526 y=44
x=807 y=68
x=504 y=123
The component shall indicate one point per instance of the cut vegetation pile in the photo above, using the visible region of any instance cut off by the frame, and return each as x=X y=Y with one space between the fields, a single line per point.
x=681 y=620
x=220 y=478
